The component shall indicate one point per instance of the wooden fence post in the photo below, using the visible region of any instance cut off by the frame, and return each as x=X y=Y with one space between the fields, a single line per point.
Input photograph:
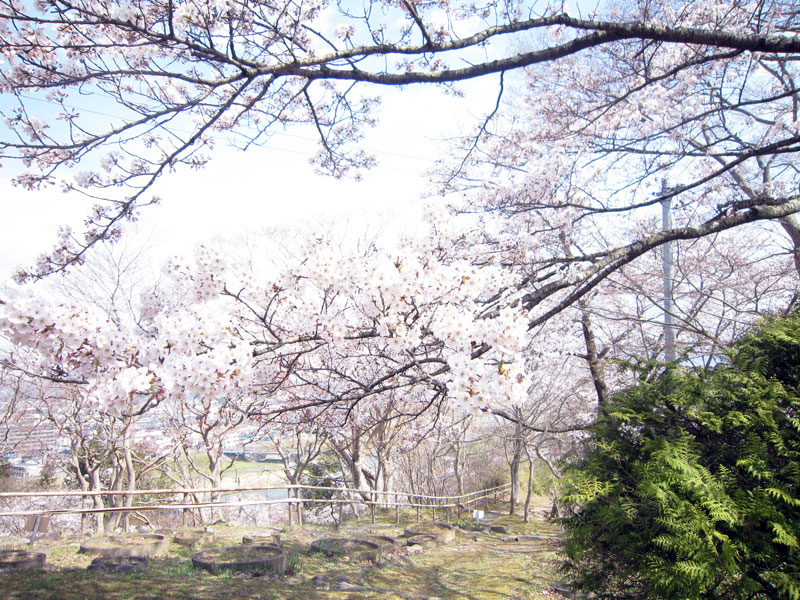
x=396 y=510
x=299 y=494
x=83 y=515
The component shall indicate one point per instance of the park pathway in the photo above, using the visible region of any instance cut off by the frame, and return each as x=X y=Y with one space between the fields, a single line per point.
x=516 y=561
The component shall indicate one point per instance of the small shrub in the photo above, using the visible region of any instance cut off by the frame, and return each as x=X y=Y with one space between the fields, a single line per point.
x=467 y=524
x=322 y=473
x=293 y=563
x=182 y=569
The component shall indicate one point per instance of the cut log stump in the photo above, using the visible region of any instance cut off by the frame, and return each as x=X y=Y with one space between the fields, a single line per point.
x=264 y=558
x=138 y=544
x=21 y=559
x=352 y=548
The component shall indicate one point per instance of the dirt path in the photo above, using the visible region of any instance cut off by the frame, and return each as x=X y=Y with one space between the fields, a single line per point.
x=520 y=564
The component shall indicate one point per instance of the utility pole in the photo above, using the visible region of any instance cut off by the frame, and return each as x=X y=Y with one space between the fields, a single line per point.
x=666 y=255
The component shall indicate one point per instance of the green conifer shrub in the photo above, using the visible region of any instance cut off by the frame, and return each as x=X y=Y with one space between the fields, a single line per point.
x=690 y=488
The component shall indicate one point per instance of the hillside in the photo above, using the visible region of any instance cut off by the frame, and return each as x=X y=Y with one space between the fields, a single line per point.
x=478 y=565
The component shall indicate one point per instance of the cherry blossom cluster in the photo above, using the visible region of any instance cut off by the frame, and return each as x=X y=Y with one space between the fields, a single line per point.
x=181 y=345
x=67 y=343
x=329 y=326
x=403 y=309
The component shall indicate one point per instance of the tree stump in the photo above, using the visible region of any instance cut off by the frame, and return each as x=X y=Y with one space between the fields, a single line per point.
x=21 y=559
x=263 y=558
x=352 y=548
x=138 y=544
x=426 y=540
x=261 y=540
x=384 y=541
x=191 y=538
x=120 y=564
x=444 y=533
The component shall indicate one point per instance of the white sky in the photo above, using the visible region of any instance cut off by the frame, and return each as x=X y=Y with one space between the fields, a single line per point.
x=241 y=192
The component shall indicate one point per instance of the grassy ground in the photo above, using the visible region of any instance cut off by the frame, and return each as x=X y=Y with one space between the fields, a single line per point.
x=478 y=565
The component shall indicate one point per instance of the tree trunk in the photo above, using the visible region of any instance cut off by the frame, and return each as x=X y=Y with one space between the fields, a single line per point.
x=215 y=476
x=525 y=512
x=349 y=455
x=354 y=460
x=96 y=485
x=791 y=225
x=84 y=484
x=593 y=359
x=457 y=469
x=131 y=487
x=385 y=476
x=116 y=485
x=516 y=461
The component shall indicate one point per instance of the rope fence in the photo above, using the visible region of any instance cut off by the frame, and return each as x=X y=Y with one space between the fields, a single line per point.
x=294 y=499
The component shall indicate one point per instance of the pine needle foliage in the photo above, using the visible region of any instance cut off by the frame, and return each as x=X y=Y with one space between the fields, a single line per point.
x=690 y=487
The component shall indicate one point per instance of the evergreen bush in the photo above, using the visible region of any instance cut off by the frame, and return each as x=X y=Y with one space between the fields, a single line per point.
x=690 y=487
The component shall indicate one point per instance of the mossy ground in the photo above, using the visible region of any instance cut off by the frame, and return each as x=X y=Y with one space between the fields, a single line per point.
x=478 y=565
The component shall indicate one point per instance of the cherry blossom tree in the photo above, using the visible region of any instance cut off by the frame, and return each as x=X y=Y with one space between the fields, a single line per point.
x=425 y=464
x=94 y=440
x=562 y=398
x=458 y=443
x=362 y=345
x=386 y=439
x=585 y=148
x=299 y=440
x=101 y=368
x=203 y=428
x=347 y=346
x=451 y=455
x=331 y=330
x=620 y=80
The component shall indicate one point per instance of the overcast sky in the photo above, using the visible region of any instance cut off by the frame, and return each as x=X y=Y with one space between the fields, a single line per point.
x=241 y=192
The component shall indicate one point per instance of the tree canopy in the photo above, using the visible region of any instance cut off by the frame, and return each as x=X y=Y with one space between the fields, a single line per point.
x=664 y=81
